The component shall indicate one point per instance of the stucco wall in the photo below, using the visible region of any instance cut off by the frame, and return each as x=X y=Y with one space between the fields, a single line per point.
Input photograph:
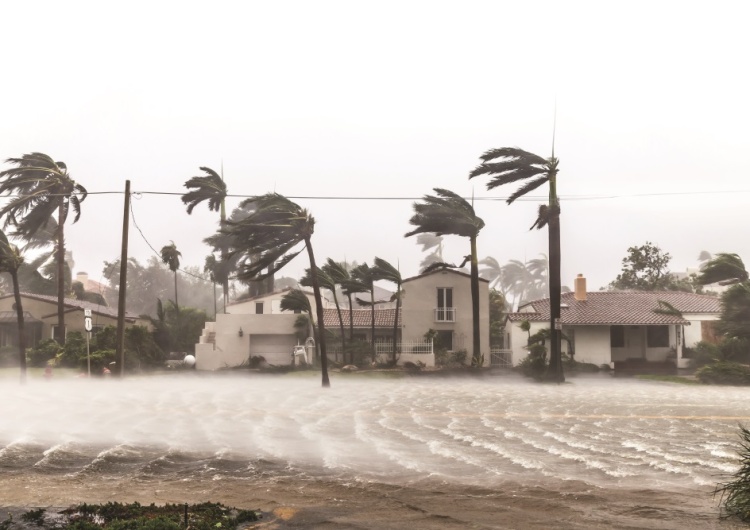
x=592 y=344
x=693 y=333
x=232 y=350
x=420 y=302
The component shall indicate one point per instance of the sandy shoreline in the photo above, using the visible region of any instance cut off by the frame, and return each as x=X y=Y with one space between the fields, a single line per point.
x=321 y=504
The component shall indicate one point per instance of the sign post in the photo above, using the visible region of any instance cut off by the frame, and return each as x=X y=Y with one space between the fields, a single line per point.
x=87 y=326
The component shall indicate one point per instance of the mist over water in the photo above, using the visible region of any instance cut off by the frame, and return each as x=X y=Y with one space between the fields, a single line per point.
x=481 y=432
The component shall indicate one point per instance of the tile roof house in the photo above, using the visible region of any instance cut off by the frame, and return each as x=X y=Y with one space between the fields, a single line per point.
x=40 y=317
x=608 y=327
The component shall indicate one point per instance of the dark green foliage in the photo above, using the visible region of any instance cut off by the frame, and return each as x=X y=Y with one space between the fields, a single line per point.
x=74 y=350
x=497 y=317
x=44 y=352
x=723 y=268
x=724 y=373
x=735 y=312
x=645 y=268
x=534 y=365
x=735 y=494
x=34 y=516
x=734 y=350
x=116 y=516
x=358 y=352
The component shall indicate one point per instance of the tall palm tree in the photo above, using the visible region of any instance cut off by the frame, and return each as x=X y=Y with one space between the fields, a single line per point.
x=448 y=213
x=42 y=188
x=212 y=189
x=339 y=275
x=724 y=269
x=210 y=267
x=507 y=165
x=365 y=276
x=386 y=271
x=10 y=261
x=297 y=301
x=170 y=256
x=326 y=282
x=430 y=241
x=266 y=240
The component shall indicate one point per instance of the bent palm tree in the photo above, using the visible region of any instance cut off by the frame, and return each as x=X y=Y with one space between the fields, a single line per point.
x=448 y=213
x=724 y=269
x=266 y=239
x=339 y=275
x=42 y=188
x=365 y=276
x=170 y=256
x=507 y=165
x=297 y=302
x=386 y=271
x=10 y=261
x=212 y=189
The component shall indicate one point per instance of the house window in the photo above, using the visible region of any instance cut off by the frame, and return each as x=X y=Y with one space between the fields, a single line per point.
x=657 y=336
x=54 y=331
x=445 y=311
x=258 y=308
x=617 y=336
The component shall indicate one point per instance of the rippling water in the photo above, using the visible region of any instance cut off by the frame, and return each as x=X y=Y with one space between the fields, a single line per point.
x=479 y=432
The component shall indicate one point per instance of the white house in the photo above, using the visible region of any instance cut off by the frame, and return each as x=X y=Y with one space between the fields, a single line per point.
x=439 y=300
x=612 y=327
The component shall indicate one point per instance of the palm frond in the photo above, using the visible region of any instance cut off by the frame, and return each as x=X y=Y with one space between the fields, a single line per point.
x=665 y=308
x=513 y=153
x=526 y=188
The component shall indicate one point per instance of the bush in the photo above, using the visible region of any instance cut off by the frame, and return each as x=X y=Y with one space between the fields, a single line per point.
x=735 y=494
x=43 y=353
x=724 y=373
x=73 y=351
x=571 y=365
x=535 y=363
x=359 y=352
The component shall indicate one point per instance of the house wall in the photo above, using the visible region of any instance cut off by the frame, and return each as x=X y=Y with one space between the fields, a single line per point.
x=420 y=302
x=229 y=349
x=592 y=344
x=693 y=334
x=516 y=339
x=74 y=318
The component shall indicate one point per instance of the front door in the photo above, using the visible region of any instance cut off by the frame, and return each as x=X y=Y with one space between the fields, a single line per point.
x=634 y=342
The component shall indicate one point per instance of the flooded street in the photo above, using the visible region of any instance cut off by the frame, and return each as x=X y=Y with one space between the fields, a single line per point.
x=592 y=451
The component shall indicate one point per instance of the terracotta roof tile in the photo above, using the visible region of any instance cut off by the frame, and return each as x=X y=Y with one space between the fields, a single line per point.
x=620 y=307
x=362 y=318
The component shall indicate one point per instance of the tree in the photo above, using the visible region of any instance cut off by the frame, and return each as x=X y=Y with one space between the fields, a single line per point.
x=212 y=189
x=446 y=213
x=42 y=188
x=10 y=262
x=497 y=317
x=645 y=268
x=267 y=238
x=170 y=256
x=434 y=242
x=507 y=165
x=729 y=269
x=297 y=302
x=339 y=275
x=386 y=271
x=364 y=275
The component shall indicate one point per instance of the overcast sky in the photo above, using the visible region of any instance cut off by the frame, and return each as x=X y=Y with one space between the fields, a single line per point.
x=391 y=99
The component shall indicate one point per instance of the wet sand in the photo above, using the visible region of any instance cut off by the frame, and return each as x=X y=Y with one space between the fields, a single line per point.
x=287 y=502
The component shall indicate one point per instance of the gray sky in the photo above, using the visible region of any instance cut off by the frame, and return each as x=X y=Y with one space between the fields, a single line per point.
x=391 y=99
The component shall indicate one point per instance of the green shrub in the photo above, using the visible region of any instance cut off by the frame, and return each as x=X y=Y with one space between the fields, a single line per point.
x=724 y=373
x=73 y=351
x=43 y=353
x=735 y=494
x=535 y=363
x=359 y=351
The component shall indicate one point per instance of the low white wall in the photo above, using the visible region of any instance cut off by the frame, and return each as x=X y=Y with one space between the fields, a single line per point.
x=592 y=344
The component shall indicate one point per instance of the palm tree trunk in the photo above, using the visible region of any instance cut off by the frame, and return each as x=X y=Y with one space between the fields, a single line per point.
x=395 y=321
x=60 y=334
x=319 y=310
x=372 y=324
x=475 y=301
x=341 y=319
x=176 y=305
x=351 y=327
x=555 y=285
x=21 y=326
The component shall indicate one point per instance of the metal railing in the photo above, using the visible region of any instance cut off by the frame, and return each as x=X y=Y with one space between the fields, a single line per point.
x=445 y=314
x=501 y=358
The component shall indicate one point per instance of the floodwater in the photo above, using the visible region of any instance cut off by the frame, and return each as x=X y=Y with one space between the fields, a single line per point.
x=601 y=439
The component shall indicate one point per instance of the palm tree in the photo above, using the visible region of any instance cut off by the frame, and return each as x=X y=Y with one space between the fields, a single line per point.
x=170 y=256
x=339 y=275
x=212 y=189
x=386 y=271
x=448 y=213
x=266 y=240
x=492 y=272
x=10 y=261
x=210 y=267
x=506 y=165
x=42 y=188
x=326 y=282
x=364 y=275
x=297 y=301
x=430 y=241
x=724 y=269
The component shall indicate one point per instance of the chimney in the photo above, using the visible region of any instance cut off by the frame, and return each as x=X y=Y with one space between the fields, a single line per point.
x=82 y=277
x=579 y=288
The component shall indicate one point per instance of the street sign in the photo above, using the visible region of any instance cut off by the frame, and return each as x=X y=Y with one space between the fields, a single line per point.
x=87 y=324
x=558 y=324
x=87 y=312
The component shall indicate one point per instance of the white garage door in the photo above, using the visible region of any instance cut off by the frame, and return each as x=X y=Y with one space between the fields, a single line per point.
x=276 y=349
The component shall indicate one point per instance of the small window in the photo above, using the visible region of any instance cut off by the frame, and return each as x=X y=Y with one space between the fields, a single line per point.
x=617 y=336
x=258 y=308
x=54 y=330
x=657 y=336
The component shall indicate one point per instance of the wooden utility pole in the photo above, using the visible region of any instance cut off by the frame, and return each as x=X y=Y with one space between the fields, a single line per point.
x=120 y=347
